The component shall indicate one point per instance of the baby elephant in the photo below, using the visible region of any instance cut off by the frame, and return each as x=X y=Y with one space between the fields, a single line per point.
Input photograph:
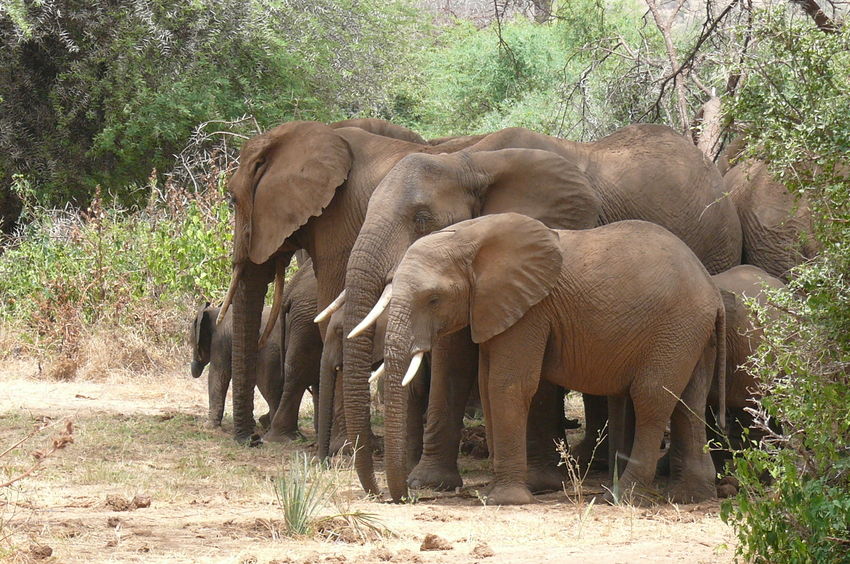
x=743 y=336
x=623 y=310
x=211 y=345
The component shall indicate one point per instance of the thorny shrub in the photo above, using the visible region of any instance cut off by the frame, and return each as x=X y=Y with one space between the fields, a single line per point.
x=67 y=276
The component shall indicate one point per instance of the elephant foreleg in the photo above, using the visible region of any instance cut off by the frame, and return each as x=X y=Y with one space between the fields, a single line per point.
x=453 y=371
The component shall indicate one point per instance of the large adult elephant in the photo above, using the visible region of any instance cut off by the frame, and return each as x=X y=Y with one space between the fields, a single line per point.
x=302 y=185
x=647 y=172
x=776 y=225
x=624 y=310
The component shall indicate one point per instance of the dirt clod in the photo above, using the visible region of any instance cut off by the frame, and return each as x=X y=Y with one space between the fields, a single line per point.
x=118 y=503
x=406 y=555
x=141 y=501
x=121 y=503
x=381 y=553
x=433 y=542
x=483 y=550
x=113 y=522
x=40 y=551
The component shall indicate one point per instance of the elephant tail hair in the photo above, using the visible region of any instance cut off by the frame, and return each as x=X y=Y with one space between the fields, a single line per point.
x=720 y=364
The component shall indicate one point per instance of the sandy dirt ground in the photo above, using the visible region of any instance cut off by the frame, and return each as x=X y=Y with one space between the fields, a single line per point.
x=211 y=501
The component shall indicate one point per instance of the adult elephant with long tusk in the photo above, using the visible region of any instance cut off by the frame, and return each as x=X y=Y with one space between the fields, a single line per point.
x=646 y=172
x=302 y=185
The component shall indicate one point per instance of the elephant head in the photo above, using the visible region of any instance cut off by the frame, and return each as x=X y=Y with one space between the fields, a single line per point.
x=211 y=346
x=483 y=273
x=285 y=177
x=425 y=193
x=200 y=337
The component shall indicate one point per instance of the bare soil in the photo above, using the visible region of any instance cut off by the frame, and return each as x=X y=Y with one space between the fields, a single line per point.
x=146 y=481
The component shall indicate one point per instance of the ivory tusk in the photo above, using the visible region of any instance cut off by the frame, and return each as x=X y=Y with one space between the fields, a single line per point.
x=332 y=307
x=277 y=302
x=413 y=368
x=376 y=312
x=377 y=373
x=234 y=281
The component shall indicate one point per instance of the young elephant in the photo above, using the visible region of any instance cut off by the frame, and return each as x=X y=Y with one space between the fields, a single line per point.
x=212 y=344
x=743 y=336
x=330 y=441
x=623 y=310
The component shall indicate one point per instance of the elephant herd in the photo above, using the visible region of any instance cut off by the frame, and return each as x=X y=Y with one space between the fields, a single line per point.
x=520 y=262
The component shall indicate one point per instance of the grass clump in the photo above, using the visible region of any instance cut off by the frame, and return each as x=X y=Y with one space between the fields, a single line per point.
x=305 y=488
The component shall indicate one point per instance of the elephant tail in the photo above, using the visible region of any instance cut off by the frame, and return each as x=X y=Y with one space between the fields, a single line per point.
x=720 y=364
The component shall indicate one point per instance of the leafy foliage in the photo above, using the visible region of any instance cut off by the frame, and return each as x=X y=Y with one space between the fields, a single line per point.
x=97 y=93
x=794 y=109
x=62 y=269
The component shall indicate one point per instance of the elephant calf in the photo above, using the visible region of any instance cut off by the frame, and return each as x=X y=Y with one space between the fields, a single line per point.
x=743 y=336
x=212 y=344
x=625 y=310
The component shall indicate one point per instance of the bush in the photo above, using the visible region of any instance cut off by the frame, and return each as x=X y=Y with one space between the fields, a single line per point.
x=65 y=272
x=794 y=502
x=102 y=94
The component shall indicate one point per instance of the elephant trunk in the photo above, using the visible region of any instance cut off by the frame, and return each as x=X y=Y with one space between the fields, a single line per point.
x=248 y=300
x=364 y=285
x=327 y=385
x=397 y=358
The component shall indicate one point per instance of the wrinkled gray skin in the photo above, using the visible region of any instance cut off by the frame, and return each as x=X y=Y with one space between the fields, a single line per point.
x=625 y=310
x=212 y=344
x=302 y=352
x=645 y=171
x=743 y=336
x=330 y=440
x=776 y=225
x=301 y=185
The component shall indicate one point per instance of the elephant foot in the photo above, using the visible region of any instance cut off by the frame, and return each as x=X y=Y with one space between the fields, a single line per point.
x=434 y=477
x=282 y=436
x=691 y=491
x=631 y=494
x=212 y=425
x=545 y=478
x=509 y=494
x=251 y=440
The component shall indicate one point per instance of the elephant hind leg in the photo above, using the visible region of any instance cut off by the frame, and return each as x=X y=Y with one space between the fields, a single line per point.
x=652 y=409
x=691 y=468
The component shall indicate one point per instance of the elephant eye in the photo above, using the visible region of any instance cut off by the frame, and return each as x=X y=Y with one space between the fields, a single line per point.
x=423 y=221
x=434 y=300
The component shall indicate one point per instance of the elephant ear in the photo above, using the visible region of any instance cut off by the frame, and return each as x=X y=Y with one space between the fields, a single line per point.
x=538 y=184
x=202 y=337
x=517 y=263
x=302 y=165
